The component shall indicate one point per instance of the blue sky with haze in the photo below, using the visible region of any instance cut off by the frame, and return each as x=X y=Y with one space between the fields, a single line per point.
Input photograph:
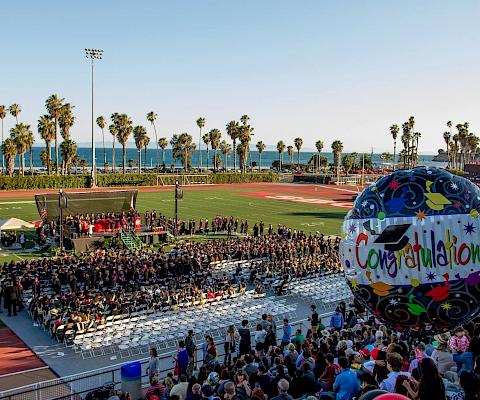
x=316 y=69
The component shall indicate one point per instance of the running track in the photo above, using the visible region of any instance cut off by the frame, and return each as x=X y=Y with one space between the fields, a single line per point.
x=310 y=191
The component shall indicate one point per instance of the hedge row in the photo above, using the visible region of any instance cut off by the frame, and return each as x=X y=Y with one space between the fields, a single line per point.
x=119 y=180
x=44 y=182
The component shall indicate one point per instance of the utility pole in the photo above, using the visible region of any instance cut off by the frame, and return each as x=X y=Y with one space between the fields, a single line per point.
x=93 y=54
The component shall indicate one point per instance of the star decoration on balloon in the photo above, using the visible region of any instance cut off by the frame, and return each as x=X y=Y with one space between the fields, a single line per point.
x=420 y=214
x=453 y=186
x=446 y=306
x=364 y=203
x=394 y=184
x=393 y=302
x=354 y=284
x=469 y=228
x=352 y=228
x=457 y=204
x=430 y=276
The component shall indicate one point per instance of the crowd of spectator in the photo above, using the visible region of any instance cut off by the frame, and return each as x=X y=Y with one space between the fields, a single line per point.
x=343 y=363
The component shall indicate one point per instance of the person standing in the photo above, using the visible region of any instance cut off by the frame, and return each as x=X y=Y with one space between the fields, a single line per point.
x=287 y=333
x=314 y=319
x=182 y=358
x=191 y=349
x=152 y=369
x=245 y=338
x=11 y=299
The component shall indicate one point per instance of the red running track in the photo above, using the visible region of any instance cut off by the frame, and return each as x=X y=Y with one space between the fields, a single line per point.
x=15 y=355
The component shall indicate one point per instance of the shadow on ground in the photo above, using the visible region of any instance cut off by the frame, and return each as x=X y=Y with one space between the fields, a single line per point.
x=328 y=215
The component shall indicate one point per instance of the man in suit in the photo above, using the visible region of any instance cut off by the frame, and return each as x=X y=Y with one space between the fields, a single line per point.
x=11 y=298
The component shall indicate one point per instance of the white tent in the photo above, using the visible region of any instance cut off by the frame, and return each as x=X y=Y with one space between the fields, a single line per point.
x=14 y=223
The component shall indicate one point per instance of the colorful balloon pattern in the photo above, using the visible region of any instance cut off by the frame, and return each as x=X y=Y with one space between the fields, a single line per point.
x=411 y=249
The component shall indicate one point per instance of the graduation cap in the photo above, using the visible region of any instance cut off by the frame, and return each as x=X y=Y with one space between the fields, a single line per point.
x=393 y=237
x=436 y=201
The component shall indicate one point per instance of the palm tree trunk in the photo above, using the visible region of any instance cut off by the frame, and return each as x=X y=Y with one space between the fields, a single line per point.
x=31 y=161
x=215 y=160
x=104 y=150
x=260 y=162
x=234 y=155
x=145 y=159
x=207 y=157
x=156 y=142
x=298 y=159
x=394 y=153
x=200 y=151
x=56 y=147
x=139 y=161
x=113 y=155
x=3 y=156
x=124 y=145
x=22 y=158
x=163 y=156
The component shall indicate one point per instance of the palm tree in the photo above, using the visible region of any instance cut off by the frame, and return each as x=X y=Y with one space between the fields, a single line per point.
x=447 y=137
x=65 y=120
x=415 y=137
x=124 y=127
x=290 y=153
x=44 y=157
x=151 y=117
x=139 y=133
x=225 y=148
x=394 y=132
x=245 y=136
x=20 y=135
x=319 y=146
x=215 y=137
x=233 y=132
x=183 y=148
x=46 y=129
x=206 y=140
x=113 y=131
x=454 y=151
x=65 y=123
x=298 y=142
x=407 y=147
x=101 y=125
x=354 y=157
x=14 y=110
x=9 y=150
x=68 y=150
x=83 y=165
x=3 y=115
x=244 y=119
x=163 y=143
x=337 y=147
x=280 y=149
x=53 y=105
x=260 y=148
x=29 y=140
x=146 y=142
x=200 y=124
x=76 y=161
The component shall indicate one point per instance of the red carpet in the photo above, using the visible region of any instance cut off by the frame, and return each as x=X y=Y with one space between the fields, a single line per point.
x=15 y=355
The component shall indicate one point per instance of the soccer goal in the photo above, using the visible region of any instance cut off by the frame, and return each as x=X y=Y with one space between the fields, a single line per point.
x=184 y=180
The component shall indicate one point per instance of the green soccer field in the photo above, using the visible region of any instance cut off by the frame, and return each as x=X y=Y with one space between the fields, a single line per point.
x=198 y=204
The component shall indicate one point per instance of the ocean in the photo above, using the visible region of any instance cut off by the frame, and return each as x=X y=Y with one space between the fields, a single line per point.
x=132 y=154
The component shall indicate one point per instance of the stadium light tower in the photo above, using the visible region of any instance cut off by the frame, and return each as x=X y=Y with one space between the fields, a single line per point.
x=93 y=54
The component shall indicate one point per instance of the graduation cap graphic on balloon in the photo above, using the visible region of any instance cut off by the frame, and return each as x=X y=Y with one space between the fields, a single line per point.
x=436 y=201
x=393 y=236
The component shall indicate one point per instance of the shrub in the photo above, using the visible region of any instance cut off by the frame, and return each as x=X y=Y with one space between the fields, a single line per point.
x=119 y=180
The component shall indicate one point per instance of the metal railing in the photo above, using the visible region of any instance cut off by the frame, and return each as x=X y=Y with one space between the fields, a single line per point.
x=76 y=387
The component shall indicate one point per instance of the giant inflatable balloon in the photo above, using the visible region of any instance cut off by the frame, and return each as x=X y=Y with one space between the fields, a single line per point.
x=411 y=249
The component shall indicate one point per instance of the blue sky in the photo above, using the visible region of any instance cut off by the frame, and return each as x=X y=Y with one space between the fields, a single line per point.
x=316 y=69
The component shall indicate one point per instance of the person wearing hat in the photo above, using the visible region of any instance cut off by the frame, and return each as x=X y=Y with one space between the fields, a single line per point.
x=442 y=354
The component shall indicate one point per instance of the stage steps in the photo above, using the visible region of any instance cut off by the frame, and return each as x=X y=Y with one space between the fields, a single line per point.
x=131 y=241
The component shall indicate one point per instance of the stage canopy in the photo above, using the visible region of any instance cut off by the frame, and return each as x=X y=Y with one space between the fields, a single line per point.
x=14 y=224
x=48 y=205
